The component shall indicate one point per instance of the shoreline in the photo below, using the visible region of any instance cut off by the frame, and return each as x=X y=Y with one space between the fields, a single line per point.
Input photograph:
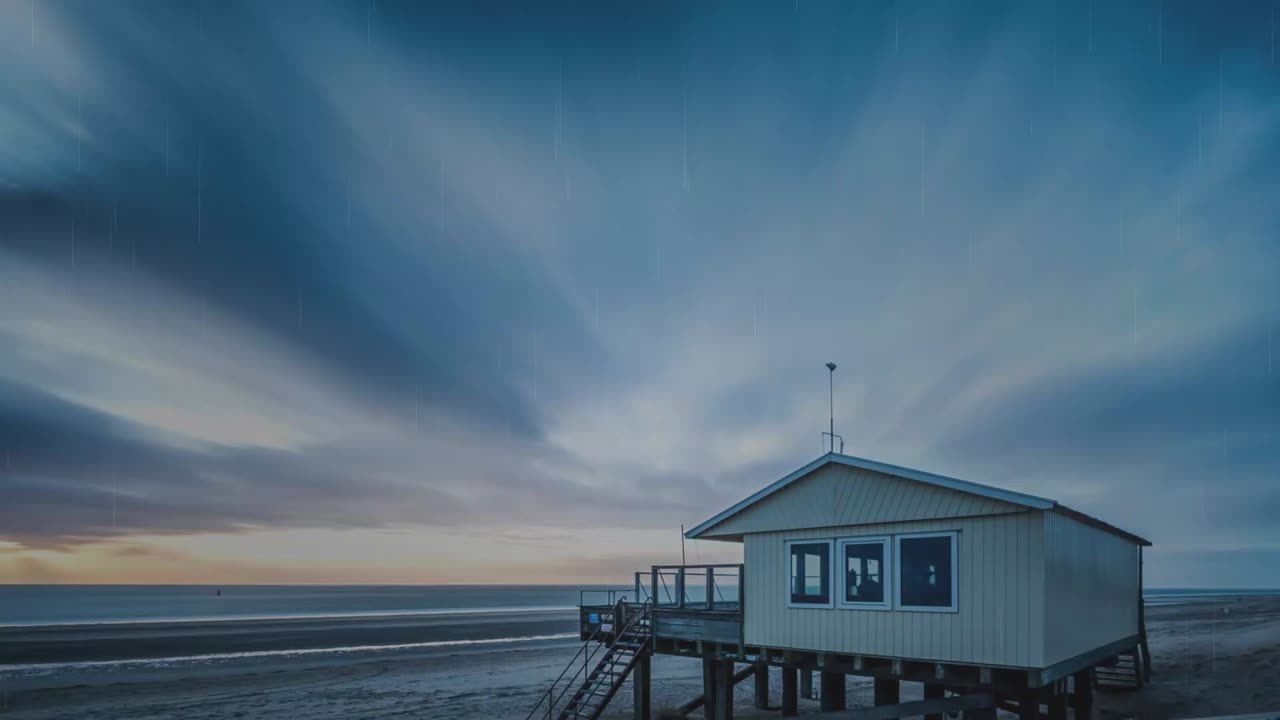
x=389 y=614
x=119 y=642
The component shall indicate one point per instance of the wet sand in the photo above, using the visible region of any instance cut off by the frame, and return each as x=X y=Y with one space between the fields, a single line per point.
x=1211 y=658
x=106 y=641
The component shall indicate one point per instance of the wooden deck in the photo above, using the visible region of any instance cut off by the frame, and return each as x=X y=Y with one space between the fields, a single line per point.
x=675 y=625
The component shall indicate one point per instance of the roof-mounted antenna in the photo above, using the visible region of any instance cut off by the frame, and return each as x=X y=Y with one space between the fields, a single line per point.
x=831 y=386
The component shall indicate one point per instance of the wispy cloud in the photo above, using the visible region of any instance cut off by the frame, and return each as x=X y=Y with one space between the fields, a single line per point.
x=329 y=275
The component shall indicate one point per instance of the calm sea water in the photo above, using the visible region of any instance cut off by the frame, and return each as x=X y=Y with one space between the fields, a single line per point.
x=1175 y=596
x=62 y=604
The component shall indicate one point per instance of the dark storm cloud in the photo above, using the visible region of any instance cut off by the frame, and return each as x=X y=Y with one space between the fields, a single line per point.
x=230 y=176
x=375 y=264
x=1216 y=396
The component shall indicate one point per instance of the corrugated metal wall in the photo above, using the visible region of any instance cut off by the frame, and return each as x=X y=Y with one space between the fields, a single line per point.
x=841 y=495
x=1000 y=618
x=1091 y=581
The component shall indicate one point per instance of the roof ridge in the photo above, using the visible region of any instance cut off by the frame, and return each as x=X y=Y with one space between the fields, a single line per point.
x=965 y=485
x=1009 y=496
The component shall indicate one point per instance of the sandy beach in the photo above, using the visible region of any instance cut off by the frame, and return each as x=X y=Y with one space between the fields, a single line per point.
x=1211 y=658
x=107 y=641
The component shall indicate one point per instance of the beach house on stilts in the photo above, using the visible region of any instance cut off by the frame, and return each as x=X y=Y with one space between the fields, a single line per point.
x=987 y=598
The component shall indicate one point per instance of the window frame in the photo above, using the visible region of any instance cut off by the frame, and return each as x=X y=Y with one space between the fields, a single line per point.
x=954 y=607
x=887 y=570
x=831 y=570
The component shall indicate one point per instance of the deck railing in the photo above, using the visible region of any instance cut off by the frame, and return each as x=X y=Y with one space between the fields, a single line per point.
x=599 y=597
x=692 y=587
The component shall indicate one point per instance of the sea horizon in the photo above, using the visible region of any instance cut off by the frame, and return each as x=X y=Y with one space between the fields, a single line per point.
x=31 y=605
x=71 y=604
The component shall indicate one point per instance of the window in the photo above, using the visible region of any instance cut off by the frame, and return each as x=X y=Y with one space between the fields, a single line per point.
x=927 y=572
x=810 y=584
x=863 y=563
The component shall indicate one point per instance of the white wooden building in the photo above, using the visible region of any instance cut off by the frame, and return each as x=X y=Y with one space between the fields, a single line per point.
x=853 y=556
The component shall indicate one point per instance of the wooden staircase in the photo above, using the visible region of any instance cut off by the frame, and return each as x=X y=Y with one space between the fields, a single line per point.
x=601 y=680
x=1123 y=672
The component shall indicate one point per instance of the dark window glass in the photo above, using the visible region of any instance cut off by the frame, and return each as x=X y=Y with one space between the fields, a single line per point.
x=925 y=575
x=864 y=572
x=811 y=573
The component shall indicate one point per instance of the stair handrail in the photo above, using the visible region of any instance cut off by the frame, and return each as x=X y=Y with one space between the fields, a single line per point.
x=643 y=611
x=635 y=617
x=573 y=662
x=587 y=647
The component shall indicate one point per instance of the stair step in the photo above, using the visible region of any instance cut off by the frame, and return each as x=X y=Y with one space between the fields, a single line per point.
x=611 y=668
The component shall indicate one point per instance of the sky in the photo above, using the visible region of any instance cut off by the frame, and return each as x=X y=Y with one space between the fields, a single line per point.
x=458 y=292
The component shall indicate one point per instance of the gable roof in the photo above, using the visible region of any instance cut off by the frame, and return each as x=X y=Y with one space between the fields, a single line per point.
x=1016 y=498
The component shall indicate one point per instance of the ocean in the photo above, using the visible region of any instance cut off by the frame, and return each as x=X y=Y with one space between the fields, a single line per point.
x=1179 y=596
x=90 y=604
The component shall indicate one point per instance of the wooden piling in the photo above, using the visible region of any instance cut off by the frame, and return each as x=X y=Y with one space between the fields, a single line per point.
x=934 y=691
x=790 y=706
x=833 y=691
x=761 y=686
x=886 y=691
x=1029 y=705
x=640 y=687
x=724 y=690
x=1082 y=693
x=709 y=688
x=1058 y=701
x=1142 y=658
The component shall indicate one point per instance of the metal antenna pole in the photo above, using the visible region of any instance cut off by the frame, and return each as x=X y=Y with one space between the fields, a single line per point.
x=831 y=395
x=682 y=560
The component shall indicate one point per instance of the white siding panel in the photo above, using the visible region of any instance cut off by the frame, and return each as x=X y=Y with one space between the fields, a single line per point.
x=1000 y=593
x=1091 y=587
x=839 y=495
